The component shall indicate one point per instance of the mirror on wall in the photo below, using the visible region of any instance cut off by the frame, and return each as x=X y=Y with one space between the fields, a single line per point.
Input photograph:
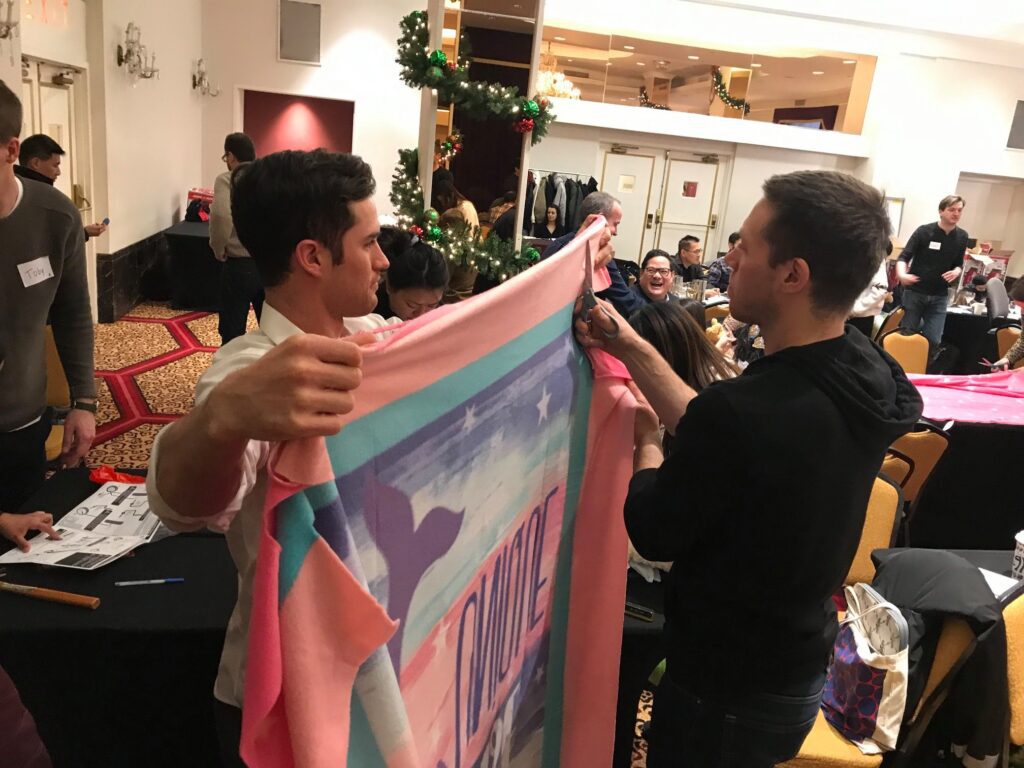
x=497 y=36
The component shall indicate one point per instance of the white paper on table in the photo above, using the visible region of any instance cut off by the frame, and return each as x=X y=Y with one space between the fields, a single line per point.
x=74 y=549
x=116 y=509
x=998 y=583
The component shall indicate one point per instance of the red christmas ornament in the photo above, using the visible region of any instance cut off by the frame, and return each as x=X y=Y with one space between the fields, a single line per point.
x=524 y=126
x=452 y=66
x=458 y=147
x=416 y=230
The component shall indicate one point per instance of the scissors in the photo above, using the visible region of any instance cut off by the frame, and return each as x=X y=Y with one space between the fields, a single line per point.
x=590 y=300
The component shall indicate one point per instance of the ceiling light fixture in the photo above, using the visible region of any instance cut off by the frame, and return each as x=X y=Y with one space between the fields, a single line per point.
x=693 y=58
x=629 y=47
x=755 y=65
x=640 y=64
x=559 y=39
x=817 y=72
x=849 y=61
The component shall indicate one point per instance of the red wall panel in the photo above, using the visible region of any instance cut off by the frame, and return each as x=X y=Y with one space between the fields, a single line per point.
x=277 y=121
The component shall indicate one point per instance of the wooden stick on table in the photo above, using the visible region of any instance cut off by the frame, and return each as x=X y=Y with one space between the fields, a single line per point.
x=52 y=595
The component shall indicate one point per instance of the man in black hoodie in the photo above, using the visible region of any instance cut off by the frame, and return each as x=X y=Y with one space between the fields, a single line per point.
x=761 y=543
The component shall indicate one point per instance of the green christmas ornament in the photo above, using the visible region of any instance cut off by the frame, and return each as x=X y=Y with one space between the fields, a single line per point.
x=437 y=58
x=434 y=231
x=530 y=108
x=431 y=216
x=446 y=146
x=434 y=74
x=531 y=254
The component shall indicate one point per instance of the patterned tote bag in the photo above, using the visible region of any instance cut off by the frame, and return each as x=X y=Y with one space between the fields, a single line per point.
x=866 y=690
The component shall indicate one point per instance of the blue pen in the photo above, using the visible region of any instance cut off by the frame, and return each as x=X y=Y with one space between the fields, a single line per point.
x=176 y=580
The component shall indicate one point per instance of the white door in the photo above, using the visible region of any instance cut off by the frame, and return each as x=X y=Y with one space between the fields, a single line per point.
x=629 y=178
x=55 y=122
x=687 y=200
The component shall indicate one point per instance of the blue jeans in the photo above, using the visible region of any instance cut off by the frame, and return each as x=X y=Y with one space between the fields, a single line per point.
x=924 y=313
x=756 y=731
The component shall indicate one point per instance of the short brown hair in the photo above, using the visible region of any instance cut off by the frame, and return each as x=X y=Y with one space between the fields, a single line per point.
x=10 y=113
x=949 y=200
x=835 y=223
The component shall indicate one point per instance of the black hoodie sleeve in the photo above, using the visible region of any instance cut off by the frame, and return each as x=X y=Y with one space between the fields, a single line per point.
x=667 y=509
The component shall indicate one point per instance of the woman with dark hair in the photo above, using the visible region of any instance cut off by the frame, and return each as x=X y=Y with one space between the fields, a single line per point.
x=550 y=226
x=696 y=310
x=415 y=279
x=679 y=338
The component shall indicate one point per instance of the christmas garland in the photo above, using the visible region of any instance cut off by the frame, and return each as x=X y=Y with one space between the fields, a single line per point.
x=423 y=68
x=722 y=93
x=451 y=146
x=460 y=243
x=645 y=101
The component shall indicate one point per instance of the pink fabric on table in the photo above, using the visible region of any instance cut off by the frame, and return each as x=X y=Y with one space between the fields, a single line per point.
x=994 y=398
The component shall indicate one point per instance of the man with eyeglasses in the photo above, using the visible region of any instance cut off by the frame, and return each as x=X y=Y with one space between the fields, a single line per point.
x=240 y=283
x=656 y=275
x=690 y=255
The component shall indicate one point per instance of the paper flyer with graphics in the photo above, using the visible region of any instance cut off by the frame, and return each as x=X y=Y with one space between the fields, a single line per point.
x=110 y=523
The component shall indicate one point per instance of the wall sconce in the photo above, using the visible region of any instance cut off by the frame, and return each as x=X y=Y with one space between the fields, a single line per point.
x=201 y=82
x=8 y=25
x=133 y=56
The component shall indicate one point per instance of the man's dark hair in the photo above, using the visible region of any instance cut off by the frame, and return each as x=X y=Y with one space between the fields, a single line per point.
x=979 y=279
x=284 y=198
x=949 y=200
x=687 y=239
x=241 y=146
x=733 y=239
x=834 y=222
x=655 y=253
x=38 y=147
x=1017 y=290
x=412 y=264
x=10 y=114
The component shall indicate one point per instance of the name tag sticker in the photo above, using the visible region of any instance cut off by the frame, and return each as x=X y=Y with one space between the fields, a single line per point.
x=35 y=271
x=935 y=245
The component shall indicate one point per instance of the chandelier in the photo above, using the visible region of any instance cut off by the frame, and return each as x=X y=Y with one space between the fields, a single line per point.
x=551 y=82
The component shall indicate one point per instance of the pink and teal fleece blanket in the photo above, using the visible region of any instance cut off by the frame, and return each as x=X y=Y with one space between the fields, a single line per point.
x=441 y=584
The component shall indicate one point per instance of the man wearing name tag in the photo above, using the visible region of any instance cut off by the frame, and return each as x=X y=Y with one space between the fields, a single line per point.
x=42 y=274
x=931 y=261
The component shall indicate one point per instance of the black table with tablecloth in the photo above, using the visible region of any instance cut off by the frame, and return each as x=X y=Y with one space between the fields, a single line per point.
x=972 y=500
x=193 y=270
x=130 y=683
x=969 y=333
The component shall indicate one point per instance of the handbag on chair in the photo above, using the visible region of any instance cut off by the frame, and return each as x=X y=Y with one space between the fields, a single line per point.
x=866 y=689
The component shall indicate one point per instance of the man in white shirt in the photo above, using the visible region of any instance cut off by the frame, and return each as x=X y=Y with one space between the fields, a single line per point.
x=310 y=225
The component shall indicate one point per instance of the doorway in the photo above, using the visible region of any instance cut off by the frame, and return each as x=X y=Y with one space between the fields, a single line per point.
x=665 y=194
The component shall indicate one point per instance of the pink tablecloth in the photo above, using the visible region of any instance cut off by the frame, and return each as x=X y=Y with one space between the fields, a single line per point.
x=995 y=398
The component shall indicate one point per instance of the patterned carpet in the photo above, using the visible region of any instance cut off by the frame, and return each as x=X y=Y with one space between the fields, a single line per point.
x=147 y=365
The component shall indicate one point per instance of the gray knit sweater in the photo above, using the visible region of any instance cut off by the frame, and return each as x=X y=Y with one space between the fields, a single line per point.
x=44 y=224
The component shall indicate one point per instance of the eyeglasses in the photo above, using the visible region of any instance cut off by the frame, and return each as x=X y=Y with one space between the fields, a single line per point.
x=655 y=271
x=224 y=157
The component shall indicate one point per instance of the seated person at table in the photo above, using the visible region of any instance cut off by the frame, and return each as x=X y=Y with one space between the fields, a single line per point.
x=689 y=257
x=309 y=222
x=549 y=227
x=416 y=277
x=682 y=342
x=761 y=542
x=1016 y=353
x=719 y=272
x=979 y=287
x=656 y=273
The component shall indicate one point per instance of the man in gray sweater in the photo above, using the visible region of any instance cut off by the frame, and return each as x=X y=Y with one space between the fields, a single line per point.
x=42 y=273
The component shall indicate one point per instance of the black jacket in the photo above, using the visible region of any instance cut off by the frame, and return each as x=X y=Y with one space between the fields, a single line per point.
x=761 y=509
x=27 y=173
x=928 y=586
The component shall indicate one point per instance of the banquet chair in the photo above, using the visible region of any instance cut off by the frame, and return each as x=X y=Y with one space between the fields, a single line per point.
x=881 y=524
x=897 y=466
x=891 y=322
x=997 y=302
x=58 y=394
x=1013 y=617
x=718 y=312
x=910 y=351
x=825 y=747
x=926 y=445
